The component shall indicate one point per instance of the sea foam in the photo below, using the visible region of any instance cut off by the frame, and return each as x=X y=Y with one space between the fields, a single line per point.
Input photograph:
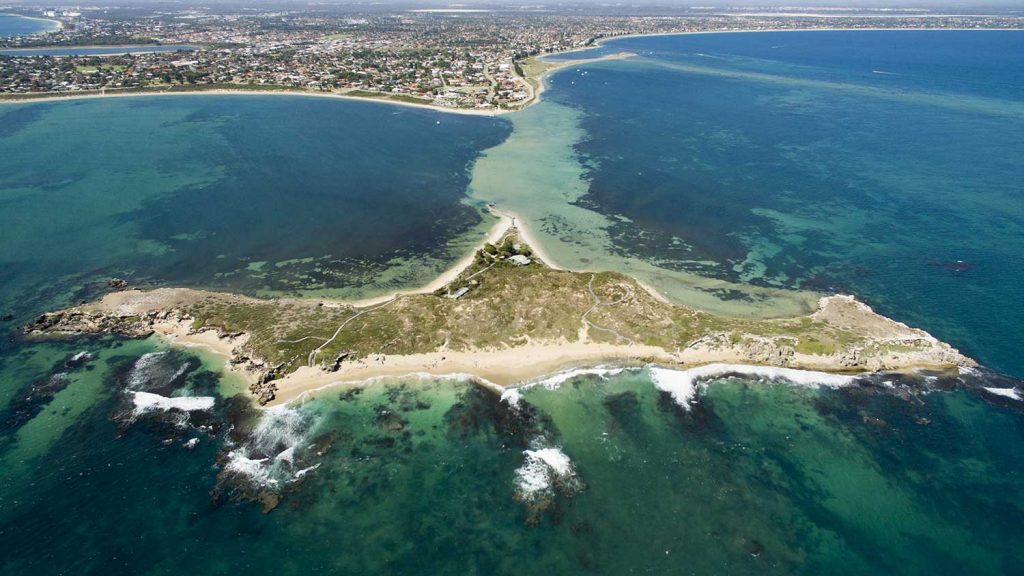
x=267 y=457
x=683 y=385
x=1010 y=393
x=147 y=402
x=542 y=468
x=149 y=372
x=512 y=396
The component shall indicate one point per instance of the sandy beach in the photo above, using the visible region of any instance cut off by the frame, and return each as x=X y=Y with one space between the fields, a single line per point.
x=496 y=369
x=55 y=24
x=242 y=92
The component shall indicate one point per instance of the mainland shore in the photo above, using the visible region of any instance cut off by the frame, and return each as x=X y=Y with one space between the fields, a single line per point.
x=536 y=87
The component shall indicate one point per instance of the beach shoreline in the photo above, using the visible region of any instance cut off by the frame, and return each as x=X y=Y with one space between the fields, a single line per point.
x=56 y=24
x=499 y=369
x=536 y=92
x=27 y=98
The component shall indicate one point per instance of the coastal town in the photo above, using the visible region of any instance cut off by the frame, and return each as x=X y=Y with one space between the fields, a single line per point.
x=474 y=59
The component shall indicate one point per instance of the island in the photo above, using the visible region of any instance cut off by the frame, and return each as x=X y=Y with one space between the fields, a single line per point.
x=503 y=316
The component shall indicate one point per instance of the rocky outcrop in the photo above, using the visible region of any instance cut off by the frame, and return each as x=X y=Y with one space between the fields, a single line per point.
x=264 y=389
x=864 y=340
x=76 y=322
x=85 y=321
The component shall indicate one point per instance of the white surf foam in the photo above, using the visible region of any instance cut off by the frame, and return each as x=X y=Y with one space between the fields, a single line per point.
x=147 y=402
x=554 y=382
x=683 y=385
x=1010 y=393
x=541 y=469
x=512 y=396
x=140 y=373
x=267 y=457
x=254 y=469
x=81 y=357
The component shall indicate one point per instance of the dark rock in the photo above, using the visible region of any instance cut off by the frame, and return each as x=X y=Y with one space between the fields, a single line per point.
x=117 y=284
x=337 y=361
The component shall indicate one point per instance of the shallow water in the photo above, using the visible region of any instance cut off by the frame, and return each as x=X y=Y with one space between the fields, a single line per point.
x=603 y=475
x=882 y=164
x=255 y=194
x=428 y=476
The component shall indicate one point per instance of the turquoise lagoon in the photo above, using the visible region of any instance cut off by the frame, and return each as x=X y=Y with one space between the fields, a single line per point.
x=738 y=185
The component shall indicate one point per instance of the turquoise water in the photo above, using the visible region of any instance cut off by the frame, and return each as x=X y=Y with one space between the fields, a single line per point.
x=879 y=163
x=259 y=194
x=11 y=25
x=427 y=477
x=97 y=51
x=763 y=185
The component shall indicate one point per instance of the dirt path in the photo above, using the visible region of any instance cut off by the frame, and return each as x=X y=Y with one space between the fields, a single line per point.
x=587 y=324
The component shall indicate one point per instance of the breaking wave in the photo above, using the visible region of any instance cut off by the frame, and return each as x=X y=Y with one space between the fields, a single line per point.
x=512 y=396
x=267 y=457
x=1010 y=393
x=544 y=470
x=683 y=385
x=154 y=371
x=147 y=402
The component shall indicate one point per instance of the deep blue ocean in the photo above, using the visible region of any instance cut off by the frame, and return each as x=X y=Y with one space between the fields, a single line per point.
x=880 y=163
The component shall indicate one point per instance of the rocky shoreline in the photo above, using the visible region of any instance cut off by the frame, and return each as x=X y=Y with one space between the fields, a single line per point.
x=75 y=322
x=888 y=346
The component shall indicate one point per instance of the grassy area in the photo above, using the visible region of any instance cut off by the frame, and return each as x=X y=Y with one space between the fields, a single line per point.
x=106 y=68
x=385 y=96
x=533 y=68
x=505 y=306
x=505 y=299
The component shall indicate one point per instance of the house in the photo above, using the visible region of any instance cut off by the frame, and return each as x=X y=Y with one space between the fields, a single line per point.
x=519 y=260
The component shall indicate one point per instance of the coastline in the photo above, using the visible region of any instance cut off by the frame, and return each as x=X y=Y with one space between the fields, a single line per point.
x=57 y=24
x=508 y=368
x=133 y=49
x=536 y=91
x=383 y=98
x=500 y=367
x=27 y=99
x=498 y=370
x=867 y=342
x=500 y=228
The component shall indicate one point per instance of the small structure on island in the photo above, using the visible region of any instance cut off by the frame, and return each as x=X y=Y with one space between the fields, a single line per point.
x=519 y=260
x=458 y=293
